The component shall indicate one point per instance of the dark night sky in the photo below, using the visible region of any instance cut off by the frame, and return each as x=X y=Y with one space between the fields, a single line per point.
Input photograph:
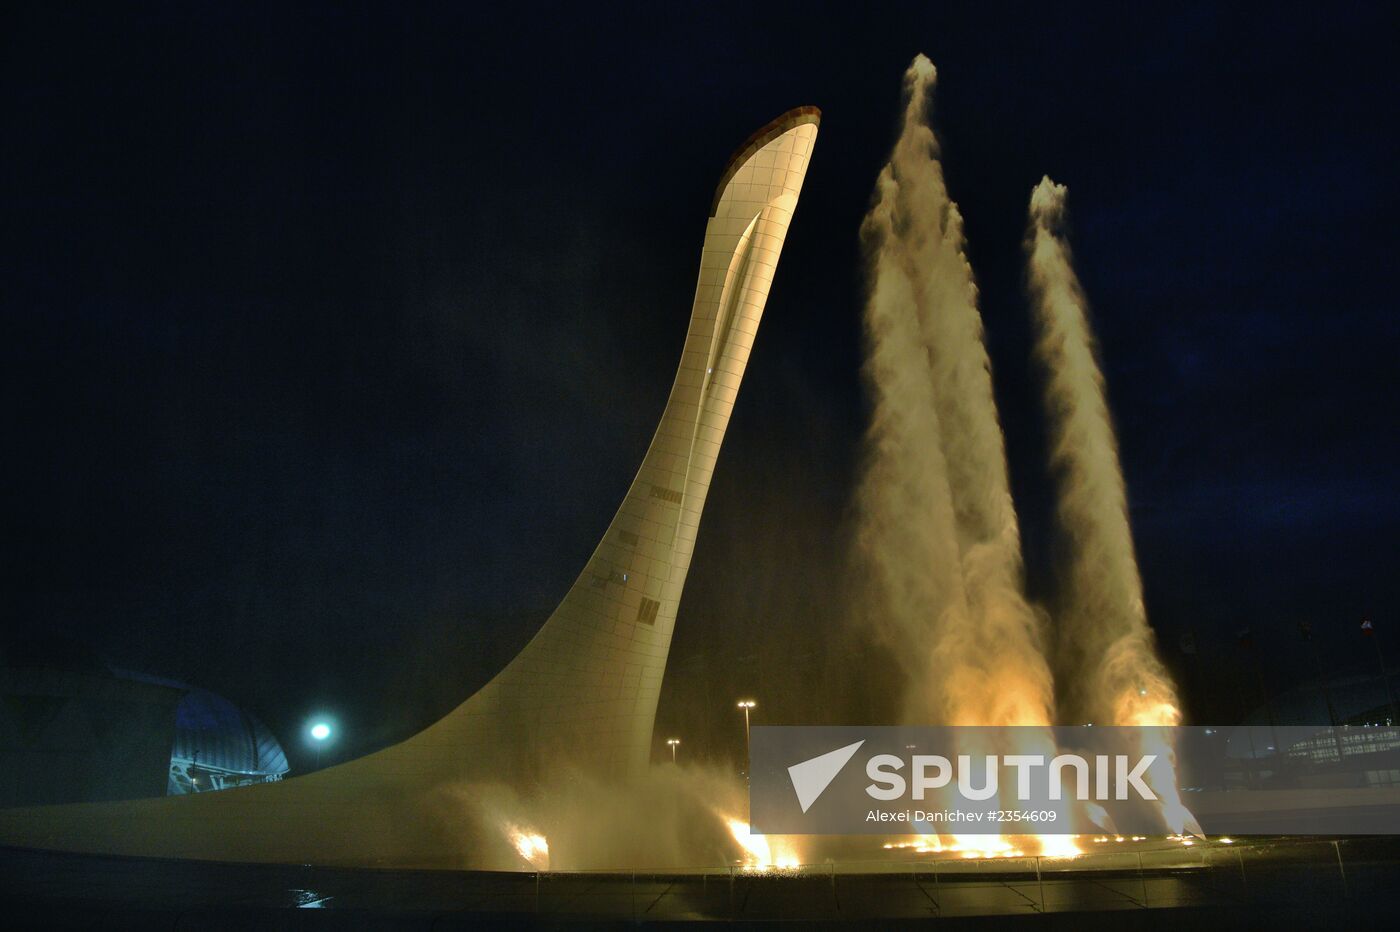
x=334 y=336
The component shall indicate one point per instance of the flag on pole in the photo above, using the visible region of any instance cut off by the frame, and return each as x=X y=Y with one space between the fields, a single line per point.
x=1245 y=637
x=1367 y=628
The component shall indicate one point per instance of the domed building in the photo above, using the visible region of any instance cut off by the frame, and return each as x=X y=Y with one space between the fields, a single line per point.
x=74 y=729
x=72 y=732
x=217 y=744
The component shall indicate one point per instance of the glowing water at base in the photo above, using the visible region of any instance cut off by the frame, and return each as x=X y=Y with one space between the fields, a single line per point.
x=531 y=845
x=759 y=853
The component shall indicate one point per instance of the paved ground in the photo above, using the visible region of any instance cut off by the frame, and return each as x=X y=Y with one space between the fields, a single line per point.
x=1279 y=884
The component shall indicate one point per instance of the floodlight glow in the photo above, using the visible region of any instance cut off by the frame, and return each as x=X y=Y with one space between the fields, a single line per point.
x=320 y=731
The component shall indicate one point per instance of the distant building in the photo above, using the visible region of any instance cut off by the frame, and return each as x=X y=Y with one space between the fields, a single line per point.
x=70 y=735
x=1353 y=755
x=217 y=745
x=73 y=729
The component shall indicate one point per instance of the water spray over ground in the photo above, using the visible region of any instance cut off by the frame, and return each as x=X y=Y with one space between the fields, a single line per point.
x=1108 y=666
x=938 y=525
x=1106 y=659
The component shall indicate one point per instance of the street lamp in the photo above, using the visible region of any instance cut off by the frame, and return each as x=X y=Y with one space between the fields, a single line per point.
x=320 y=732
x=746 y=705
x=673 y=742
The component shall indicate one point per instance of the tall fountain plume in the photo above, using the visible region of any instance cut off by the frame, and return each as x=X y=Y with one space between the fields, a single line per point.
x=1105 y=654
x=938 y=525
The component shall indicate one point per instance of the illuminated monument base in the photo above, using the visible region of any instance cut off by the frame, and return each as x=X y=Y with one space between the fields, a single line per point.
x=580 y=699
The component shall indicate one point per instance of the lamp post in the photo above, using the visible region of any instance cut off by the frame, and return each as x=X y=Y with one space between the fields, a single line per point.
x=320 y=733
x=746 y=705
x=673 y=742
x=1369 y=630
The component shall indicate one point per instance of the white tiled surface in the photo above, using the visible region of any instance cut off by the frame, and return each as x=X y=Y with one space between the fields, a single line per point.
x=588 y=684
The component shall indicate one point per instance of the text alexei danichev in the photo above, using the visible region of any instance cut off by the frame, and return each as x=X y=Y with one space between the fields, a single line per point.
x=959 y=815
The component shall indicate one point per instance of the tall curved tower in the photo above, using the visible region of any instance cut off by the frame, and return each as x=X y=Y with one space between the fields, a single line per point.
x=586 y=687
x=582 y=694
